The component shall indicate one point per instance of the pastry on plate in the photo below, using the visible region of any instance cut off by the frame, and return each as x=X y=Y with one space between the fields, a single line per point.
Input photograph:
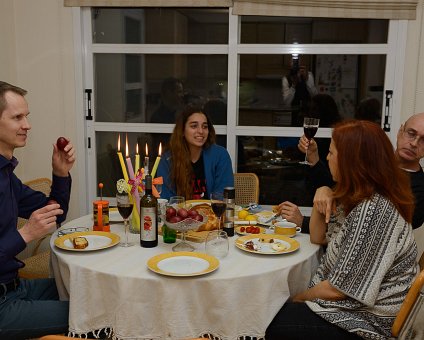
x=206 y=210
x=80 y=242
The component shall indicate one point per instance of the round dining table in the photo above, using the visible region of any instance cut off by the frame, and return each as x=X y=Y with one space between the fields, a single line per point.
x=113 y=289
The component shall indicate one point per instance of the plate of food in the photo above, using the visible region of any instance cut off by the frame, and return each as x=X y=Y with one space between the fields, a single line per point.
x=249 y=230
x=183 y=263
x=87 y=241
x=268 y=244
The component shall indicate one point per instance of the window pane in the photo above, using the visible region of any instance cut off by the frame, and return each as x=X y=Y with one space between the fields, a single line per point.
x=276 y=162
x=160 y=25
x=288 y=30
x=152 y=88
x=278 y=90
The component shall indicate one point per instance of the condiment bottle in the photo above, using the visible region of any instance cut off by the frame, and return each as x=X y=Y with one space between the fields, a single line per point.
x=148 y=217
x=229 y=197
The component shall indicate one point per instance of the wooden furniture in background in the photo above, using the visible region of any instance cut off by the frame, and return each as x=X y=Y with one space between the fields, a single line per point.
x=409 y=309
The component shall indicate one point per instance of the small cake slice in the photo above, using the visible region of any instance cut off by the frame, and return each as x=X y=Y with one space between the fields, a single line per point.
x=80 y=242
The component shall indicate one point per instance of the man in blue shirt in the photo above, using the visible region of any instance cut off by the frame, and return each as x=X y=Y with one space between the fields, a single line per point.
x=28 y=308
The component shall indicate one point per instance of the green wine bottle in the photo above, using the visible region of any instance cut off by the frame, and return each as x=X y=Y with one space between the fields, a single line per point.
x=148 y=217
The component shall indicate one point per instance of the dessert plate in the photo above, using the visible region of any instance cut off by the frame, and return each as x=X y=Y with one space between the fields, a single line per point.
x=268 y=244
x=96 y=240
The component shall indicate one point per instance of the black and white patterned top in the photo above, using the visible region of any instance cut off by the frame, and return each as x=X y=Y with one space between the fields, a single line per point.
x=372 y=258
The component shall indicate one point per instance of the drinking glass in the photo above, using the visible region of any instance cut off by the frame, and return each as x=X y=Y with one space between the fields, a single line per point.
x=125 y=207
x=310 y=128
x=217 y=244
x=218 y=205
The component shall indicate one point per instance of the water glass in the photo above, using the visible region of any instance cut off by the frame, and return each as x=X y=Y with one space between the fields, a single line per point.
x=217 y=244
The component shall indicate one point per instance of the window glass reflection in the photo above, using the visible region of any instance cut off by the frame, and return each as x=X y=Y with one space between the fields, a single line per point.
x=277 y=90
x=276 y=162
x=160 y=25
x=289 y=30
x=153 y=88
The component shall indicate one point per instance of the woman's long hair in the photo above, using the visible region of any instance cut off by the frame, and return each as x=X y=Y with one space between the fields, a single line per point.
x=367 y=165
x=181 y=168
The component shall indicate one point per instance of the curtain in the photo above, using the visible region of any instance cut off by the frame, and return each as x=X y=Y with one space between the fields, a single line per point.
x=366 y=9
x=149 y=3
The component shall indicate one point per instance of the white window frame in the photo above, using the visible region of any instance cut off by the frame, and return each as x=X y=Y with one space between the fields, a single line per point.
x=394 y=50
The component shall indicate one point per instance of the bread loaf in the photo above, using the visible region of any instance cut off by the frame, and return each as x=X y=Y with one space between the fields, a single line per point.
x=80 y=242
x=206 y=210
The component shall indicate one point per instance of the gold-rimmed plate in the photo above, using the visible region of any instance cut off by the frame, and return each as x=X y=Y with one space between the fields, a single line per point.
x=268 y=244
x=96 y=240
x=183 y=263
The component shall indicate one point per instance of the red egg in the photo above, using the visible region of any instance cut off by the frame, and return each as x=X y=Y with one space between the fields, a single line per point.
x=192 y=213
x=175 y=219
x=170 y=212
x=61 y=143
x=198 y=218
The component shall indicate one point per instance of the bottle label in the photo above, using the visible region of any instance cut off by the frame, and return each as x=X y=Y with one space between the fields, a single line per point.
x=229 y=214
x=148 y=224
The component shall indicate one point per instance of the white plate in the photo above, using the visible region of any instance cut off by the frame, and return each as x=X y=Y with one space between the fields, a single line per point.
x=183 y=263
x=96 y=240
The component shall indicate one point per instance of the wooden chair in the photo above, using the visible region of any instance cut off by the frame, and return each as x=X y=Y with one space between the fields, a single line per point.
x=409 y=309
x=36 y=261
x=247 y=188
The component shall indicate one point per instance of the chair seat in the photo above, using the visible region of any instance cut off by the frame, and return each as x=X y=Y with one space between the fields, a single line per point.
x=36 y=267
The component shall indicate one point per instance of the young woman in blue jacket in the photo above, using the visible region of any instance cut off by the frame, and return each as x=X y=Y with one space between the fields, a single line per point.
x=194 y=166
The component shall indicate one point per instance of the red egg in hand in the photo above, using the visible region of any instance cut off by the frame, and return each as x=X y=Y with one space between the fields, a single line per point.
x=61 y=143
x=51 y=202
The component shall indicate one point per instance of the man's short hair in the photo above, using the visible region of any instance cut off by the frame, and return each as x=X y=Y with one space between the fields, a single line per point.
x=6 y=87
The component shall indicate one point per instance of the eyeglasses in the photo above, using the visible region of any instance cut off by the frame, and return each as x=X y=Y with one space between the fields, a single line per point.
x=67 y=231
x=411 y=135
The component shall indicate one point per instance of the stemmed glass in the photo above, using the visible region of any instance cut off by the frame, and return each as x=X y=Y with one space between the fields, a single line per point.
x=125 y=208
x=310 y=128
x=218 y=205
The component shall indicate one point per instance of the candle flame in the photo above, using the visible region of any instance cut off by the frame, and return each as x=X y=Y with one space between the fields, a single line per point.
x=147 y=150
x=160 y=148
x=126 y=145
x=119 y=142
x=136 y=149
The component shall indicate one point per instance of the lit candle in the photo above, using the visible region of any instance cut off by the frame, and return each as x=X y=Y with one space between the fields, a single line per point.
x=137 y=159
x=121 y=160
x=136 y=213
x=155 y=166
x=146 y=162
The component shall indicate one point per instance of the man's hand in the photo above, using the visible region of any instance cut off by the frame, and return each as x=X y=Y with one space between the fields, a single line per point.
x=324 y=203
x=62 y=161
x=290 y=212
x=311 y=145
x=40 y=223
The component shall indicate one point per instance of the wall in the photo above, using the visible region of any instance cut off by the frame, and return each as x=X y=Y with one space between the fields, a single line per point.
x=36 y=39
x=38 y=54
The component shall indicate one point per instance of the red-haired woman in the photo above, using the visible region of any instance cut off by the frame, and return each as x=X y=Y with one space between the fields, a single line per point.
x=194 y=166
x=371 y=254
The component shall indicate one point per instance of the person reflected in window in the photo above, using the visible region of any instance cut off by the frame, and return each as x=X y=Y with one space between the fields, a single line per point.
x=28 y=308
x=172 y=101
x=194 y=166
x=371 y=257
x=298 y=86
x=369 y=109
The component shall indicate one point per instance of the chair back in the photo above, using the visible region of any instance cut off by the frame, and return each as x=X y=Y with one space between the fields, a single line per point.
x=409 y=309
x=246 y=185
x=38 y=184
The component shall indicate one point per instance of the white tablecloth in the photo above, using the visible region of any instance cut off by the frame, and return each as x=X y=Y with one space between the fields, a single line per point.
x=113 y=288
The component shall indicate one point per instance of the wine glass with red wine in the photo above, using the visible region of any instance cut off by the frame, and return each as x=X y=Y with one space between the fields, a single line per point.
x=310 y=128
x=218 y=205
x=125 y=208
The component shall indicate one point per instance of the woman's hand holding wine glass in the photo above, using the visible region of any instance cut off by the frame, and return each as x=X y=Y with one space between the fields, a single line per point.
x=125 y=208
x=310 y=128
